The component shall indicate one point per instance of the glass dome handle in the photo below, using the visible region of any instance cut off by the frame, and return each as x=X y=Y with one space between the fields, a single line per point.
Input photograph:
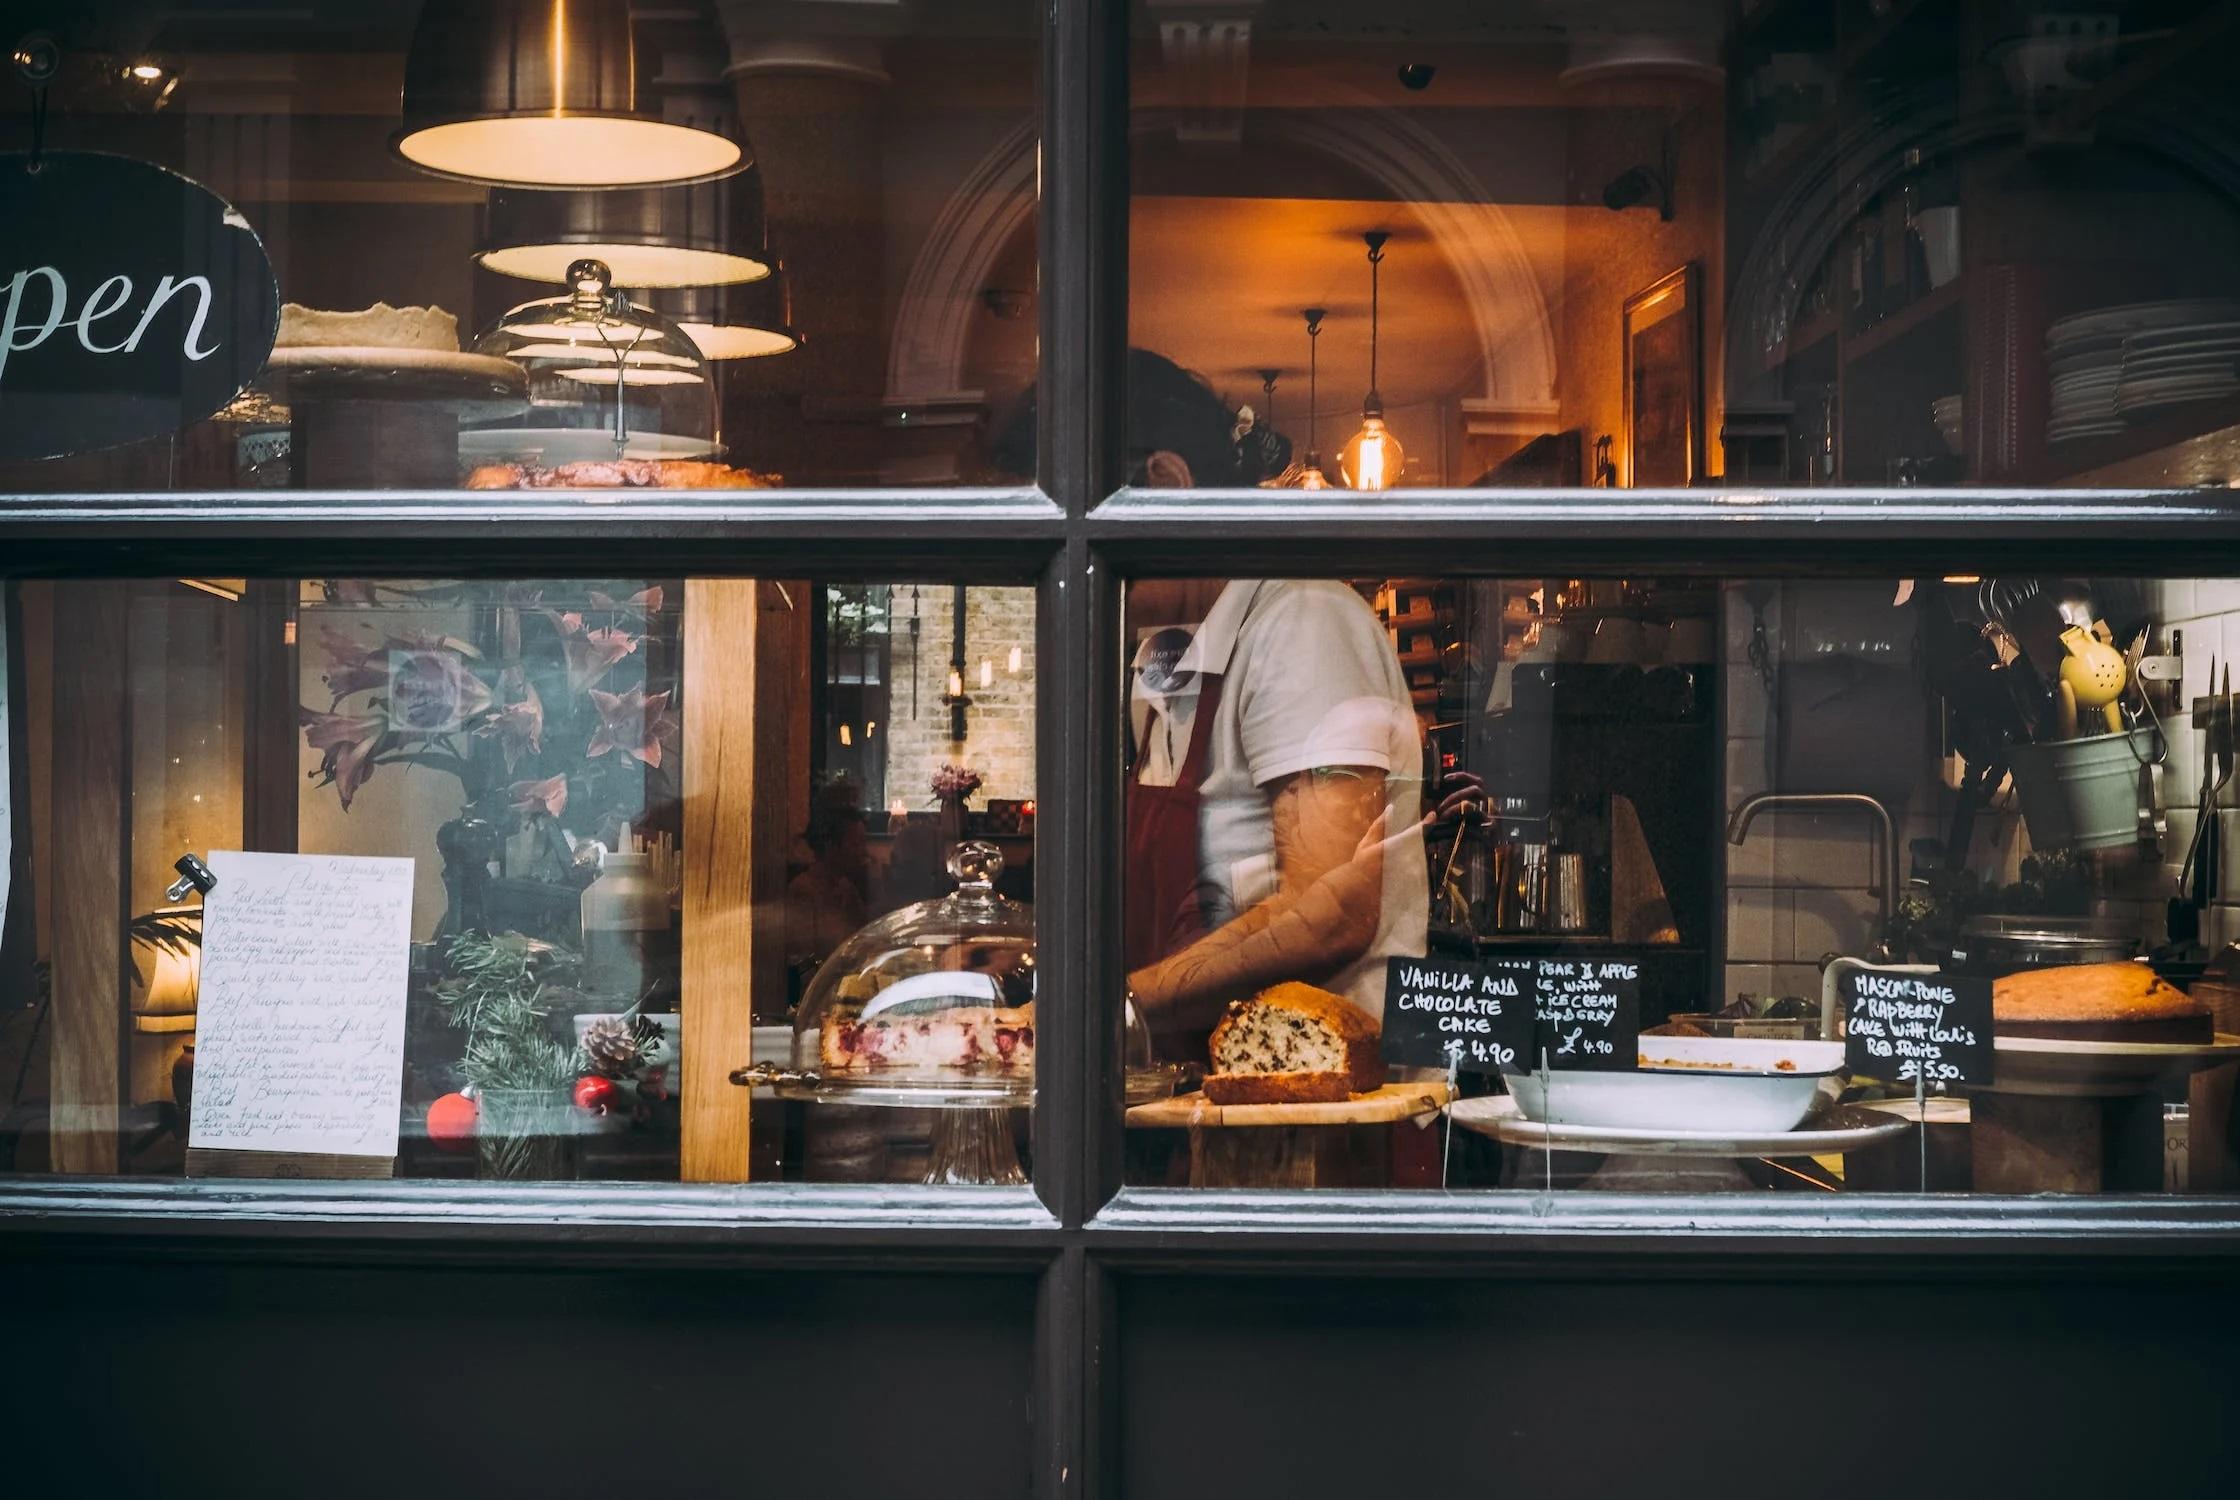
x=977 y=865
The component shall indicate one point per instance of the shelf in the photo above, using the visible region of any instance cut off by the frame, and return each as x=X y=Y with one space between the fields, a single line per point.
x=1906 y=321
x=1805 y=339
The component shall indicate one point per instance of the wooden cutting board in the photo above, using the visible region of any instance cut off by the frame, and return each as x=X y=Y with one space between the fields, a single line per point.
x=1395 y=1101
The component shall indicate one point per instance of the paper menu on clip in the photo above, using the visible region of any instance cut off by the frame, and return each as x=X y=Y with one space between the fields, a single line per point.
x=300 y=1018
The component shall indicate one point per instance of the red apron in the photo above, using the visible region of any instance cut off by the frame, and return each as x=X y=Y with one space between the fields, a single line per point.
x=1163 y=915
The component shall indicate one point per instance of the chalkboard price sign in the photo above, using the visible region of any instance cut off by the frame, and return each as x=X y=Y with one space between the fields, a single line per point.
x=1589 y=1013
x=1498 y=1015
x=1917 y=1028
x=1453 y=1013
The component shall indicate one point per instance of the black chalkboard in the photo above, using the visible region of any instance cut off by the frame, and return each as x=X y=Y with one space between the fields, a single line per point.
x=1496 y=1015
x=1589 y=1013
x=1455 y=1013
x=133 y=303
x=1900 y=1027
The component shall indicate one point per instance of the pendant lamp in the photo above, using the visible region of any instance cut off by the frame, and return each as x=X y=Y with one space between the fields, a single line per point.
x=1311 y=476
x=1371 y=461
x=736 y=320
x=694 y=234
x=543 y=93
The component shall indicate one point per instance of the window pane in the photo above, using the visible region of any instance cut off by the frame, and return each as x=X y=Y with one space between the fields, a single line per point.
x=533 y=866
x=818 y=224
x=1660 y=245
x=1682 y=884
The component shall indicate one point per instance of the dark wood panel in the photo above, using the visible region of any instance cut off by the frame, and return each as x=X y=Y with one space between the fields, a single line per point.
x=1246 y=1388
x=199 y=1379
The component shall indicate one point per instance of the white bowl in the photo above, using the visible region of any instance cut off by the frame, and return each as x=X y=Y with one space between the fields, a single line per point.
x=1688 y=1083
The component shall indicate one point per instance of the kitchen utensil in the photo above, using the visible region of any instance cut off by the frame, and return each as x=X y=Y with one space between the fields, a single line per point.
x=1998 y=945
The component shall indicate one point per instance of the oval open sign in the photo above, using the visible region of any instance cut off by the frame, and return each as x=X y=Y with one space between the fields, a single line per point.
x=132 y=303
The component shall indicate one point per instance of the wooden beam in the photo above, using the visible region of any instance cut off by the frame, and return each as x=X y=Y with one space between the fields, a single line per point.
x=92 y=864
x=721 y=629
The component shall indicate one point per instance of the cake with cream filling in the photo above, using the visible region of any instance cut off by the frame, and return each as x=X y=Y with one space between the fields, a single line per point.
x=962 y=1039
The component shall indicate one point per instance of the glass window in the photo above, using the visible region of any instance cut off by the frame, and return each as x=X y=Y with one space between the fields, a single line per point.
x=815 y=229
x=533 y=867
x=1684 y=883
x=1444 y=243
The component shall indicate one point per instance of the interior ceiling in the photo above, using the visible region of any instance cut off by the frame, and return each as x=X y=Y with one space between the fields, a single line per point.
x=1217 y=286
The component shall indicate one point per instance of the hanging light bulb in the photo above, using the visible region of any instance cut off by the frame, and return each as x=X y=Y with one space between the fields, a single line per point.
x=1013 y=666
x=1371 y=461
x=956 y=683
x=987 y=673
x=845 y=737
x=1310 y=476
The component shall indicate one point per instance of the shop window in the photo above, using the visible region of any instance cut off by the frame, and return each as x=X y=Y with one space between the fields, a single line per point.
x=818 y=225
x=1445 y=244
x=1670 y=884
x=532 y=869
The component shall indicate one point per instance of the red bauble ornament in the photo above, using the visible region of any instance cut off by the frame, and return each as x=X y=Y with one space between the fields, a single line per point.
x=451 y=1121
x=596 y=1095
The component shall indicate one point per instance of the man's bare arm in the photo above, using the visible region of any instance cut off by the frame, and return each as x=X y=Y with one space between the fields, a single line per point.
x=1329 y=845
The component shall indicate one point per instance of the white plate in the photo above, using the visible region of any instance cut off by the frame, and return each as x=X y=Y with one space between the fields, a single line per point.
x=553 y=446
x=2046 y=1065
x=1844 y=1129
x=2132 y=317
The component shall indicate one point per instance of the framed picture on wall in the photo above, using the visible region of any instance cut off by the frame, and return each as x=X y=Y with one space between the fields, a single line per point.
x=1663 y=415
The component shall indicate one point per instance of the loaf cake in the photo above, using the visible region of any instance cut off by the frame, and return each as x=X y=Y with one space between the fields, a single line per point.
x=972 y=1039
x=1293 y=1044
x=2112 y=1002
x=377 y=327
x=619 y=473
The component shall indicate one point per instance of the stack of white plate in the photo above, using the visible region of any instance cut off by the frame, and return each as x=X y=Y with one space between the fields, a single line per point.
x=2189 y=348
x=1945 y=411
x=2171 y=366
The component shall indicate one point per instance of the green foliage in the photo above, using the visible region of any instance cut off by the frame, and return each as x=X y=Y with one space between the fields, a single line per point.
x=2055 y=883
x=502 y=991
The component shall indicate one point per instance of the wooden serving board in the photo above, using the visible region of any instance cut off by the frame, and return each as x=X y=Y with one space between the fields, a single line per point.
x=1395 y=1101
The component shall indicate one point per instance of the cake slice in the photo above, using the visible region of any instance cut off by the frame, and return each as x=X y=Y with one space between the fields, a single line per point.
x=1293 y=1044
x=963 y=1039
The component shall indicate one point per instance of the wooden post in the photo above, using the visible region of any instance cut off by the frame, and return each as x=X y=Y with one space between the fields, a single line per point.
x=91 y=830
x=721 y=635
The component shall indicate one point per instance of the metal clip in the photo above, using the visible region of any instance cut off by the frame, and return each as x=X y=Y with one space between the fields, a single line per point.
x=194 y=875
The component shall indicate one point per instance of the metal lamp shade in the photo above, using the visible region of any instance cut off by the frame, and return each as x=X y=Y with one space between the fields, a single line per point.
x=695 y=234
x=543 y=93
x=747 y=320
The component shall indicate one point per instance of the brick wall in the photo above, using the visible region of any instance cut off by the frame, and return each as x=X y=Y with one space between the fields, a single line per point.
x=999 y=738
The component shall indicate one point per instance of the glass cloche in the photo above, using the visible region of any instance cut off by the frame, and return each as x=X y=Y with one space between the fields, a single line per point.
x=608 y=379
x=931 y=1004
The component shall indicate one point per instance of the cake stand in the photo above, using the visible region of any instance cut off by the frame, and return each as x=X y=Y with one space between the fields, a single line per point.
x=369 y=417
x=2080 y=1117
x=1289 y=1145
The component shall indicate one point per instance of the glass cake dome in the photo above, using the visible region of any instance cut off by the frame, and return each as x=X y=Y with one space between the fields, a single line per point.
x=608 y=379
x=934 y=999
x=933 y=1004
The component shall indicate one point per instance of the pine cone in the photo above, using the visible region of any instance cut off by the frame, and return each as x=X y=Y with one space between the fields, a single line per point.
x=611 y=1045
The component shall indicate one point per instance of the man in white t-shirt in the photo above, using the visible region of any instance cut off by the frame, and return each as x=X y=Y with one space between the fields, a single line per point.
x=1274 y=799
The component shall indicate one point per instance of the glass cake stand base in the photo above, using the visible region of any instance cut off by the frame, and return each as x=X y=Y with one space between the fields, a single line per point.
x=974 y=1147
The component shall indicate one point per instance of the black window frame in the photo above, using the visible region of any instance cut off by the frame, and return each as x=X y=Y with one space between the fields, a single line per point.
x=1076 y=537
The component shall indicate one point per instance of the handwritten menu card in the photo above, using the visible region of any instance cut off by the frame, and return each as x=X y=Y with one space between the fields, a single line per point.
x=1453 y=1013
x=299 y=1040
x=1589 y=1013
x=1931 y=1028
x=1494 y=1015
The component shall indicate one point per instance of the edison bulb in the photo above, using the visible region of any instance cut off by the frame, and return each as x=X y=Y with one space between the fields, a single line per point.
x=1371 y=461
